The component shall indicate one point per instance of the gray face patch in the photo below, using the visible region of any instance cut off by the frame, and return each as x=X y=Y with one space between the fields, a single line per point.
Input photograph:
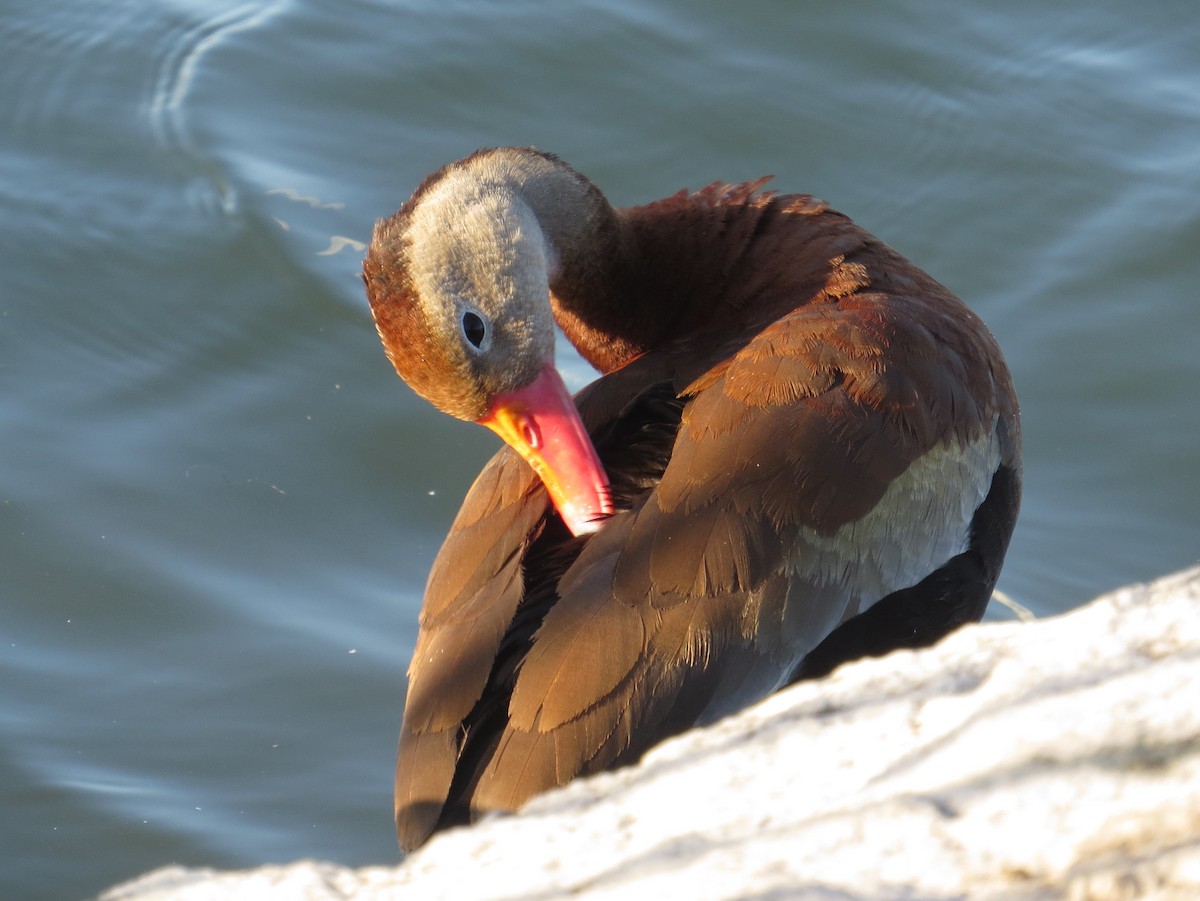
x=478 y=250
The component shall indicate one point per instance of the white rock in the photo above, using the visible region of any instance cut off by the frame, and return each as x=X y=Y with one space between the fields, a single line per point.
x=1058 y=759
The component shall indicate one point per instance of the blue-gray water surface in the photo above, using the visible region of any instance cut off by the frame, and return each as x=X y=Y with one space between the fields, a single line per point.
x=217 y=502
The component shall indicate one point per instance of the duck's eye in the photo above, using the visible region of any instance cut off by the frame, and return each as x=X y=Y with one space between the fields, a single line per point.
x=474 y=328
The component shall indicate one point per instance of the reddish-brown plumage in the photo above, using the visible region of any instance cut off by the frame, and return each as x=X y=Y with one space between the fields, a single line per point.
x=814 y=452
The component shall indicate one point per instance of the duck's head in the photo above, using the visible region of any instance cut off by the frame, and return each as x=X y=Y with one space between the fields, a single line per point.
x=458 y=281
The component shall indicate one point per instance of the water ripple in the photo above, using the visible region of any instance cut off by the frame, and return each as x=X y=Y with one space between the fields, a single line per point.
x=179 y=55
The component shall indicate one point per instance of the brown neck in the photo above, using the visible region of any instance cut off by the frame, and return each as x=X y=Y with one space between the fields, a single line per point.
x=591 y=299
x=681 y=267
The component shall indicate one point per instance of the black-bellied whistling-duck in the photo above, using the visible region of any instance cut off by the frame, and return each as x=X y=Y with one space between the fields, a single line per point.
x=802 y=449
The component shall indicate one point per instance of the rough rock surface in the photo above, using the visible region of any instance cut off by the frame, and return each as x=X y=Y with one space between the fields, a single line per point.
x=1058 y=759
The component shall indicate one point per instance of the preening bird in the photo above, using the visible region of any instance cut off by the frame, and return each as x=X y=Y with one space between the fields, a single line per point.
x=801 y=449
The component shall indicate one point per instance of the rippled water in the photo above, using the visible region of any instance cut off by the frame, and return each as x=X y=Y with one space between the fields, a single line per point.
x=217 y=503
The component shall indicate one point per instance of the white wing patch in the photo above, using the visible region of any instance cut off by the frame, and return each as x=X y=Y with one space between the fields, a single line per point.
x=922 y=520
